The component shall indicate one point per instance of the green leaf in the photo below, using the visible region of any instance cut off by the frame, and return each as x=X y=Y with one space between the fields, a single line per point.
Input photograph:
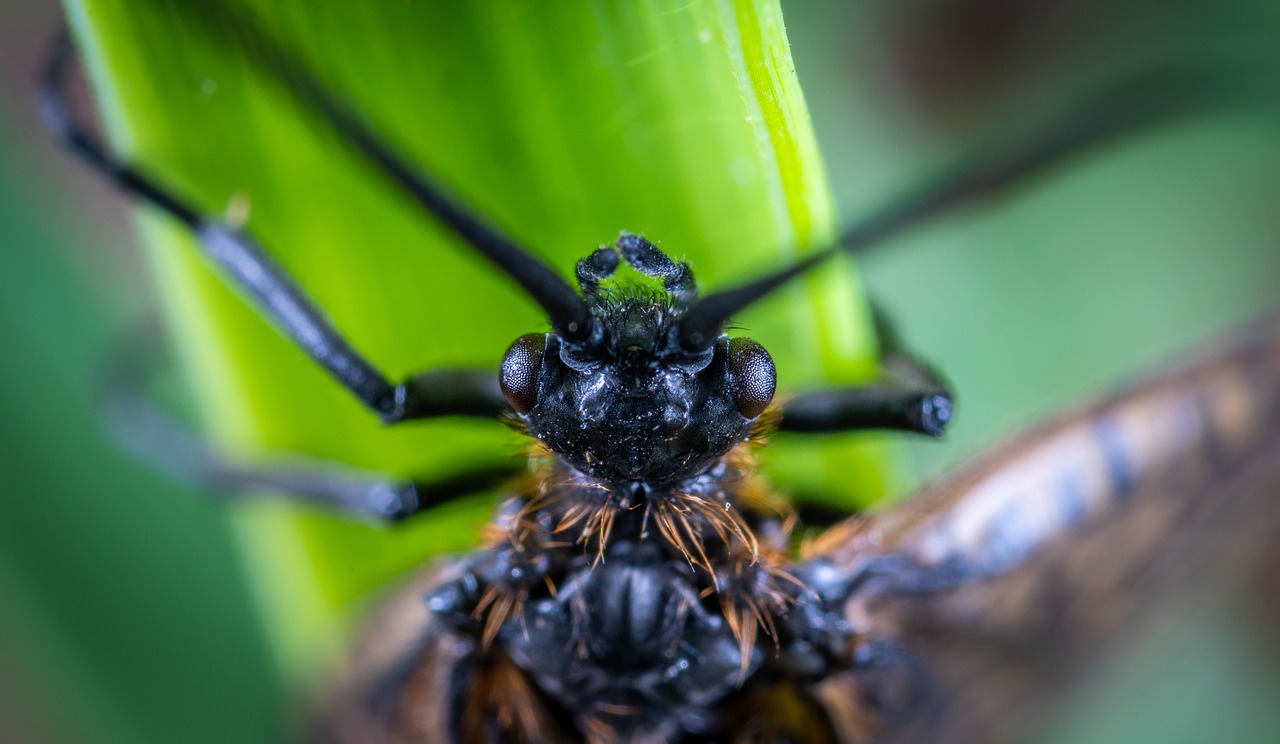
x=564 y=123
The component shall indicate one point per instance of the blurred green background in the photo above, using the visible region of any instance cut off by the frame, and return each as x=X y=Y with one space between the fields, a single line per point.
x=124 y=615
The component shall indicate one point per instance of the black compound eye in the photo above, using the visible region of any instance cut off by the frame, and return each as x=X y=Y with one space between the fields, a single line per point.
x=753 y=376
x=520 y=367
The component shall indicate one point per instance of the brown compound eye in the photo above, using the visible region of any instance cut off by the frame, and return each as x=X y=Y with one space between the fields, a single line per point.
x=520 y=367
x=753 y=376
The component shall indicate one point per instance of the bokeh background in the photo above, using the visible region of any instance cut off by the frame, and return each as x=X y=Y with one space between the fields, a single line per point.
x=124 y=614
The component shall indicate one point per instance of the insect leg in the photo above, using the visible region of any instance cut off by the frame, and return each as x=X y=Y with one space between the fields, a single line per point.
x=908 y=395
x=891 y=402
x=436 y=393
x=154 y=435
x=150 y=434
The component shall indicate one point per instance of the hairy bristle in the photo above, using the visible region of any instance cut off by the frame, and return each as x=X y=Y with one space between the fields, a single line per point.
x=837 y=541
x=751 y=491
x=600 y=526
x=497 y=605
x=596 y=731
x=666 y=519
x=723 y=519
x=750 y=596
x=743 y=626
x=513 y=697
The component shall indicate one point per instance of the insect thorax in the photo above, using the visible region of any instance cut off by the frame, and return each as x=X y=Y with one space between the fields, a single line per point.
x=640 y=608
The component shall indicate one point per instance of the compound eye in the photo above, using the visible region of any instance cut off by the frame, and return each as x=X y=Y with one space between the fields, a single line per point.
x=520 y=367
x=753 y=376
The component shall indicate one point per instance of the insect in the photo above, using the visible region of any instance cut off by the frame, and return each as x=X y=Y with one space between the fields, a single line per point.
x=640 y=254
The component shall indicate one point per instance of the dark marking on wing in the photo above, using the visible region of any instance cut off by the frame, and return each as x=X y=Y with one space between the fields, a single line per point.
x=1115 y=453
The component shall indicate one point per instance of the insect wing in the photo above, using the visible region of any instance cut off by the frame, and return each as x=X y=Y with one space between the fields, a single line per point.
x=995 y=591
x=1002 y=654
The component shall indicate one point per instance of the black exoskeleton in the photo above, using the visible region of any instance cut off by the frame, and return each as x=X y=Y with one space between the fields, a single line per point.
x=630 y=579
x=628 y=401
x=640 y=584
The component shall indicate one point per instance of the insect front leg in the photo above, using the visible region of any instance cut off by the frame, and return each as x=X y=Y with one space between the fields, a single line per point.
x=445 y=392
x=154 y=435
x=907 y=395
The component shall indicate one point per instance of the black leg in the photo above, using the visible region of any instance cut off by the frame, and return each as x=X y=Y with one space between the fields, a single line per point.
x=155 y=436
x=878 y=405
x=908 y=395
x=436 y=393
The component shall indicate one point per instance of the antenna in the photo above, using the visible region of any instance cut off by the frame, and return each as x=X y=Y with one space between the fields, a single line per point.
x=1156 y=96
